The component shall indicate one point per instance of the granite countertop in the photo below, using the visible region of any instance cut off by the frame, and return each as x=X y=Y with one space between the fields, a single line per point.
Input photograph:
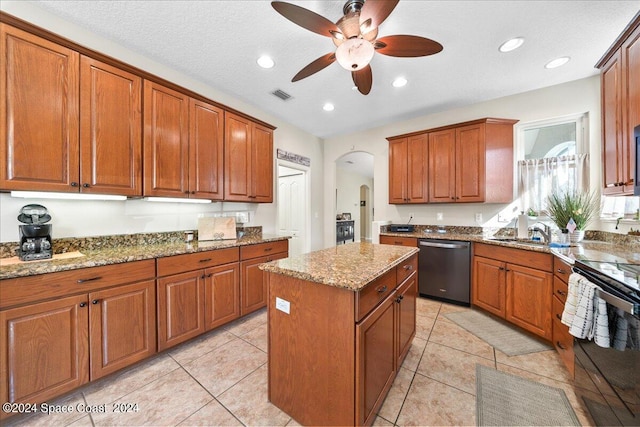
x=126 y=253
x=586 y=250
x=350 y=266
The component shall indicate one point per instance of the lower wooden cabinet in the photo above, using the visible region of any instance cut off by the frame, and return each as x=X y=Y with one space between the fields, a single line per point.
x=514 y=284
x=562 y=339
x=399 y=241
x=406 y=315
x=253 y=282
x=221 y=295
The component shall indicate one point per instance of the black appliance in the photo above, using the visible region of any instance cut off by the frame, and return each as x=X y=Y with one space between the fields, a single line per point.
x=636 y=174
x=444 y=270
x=401 y=228
x=35 y=235
x=607 y=380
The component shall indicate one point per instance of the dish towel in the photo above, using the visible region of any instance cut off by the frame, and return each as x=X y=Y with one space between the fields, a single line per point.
x=590 y=318
x=600 y=331
x=571 y=303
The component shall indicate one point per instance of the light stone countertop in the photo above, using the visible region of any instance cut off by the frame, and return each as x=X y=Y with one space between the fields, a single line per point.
x=351 y=266
x=121 y=254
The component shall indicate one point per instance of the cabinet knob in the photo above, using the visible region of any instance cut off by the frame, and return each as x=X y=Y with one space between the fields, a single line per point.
x=210 y=274
x=398 y=300
x=203 y=276
x=453 y=198
x=558 y=316
x=408 y=267
x=193 y=192
x=562 y=271
x=86 y=185
x=83 y=304
x=74 y=184
x=560 y=345
x=95 y=301
x=382 y=289
x=501 y=268
x=560 y=292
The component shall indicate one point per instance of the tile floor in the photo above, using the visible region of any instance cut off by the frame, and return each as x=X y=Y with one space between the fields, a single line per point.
x=220 y=379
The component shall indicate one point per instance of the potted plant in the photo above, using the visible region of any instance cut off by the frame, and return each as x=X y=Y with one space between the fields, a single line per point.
x=582 y=207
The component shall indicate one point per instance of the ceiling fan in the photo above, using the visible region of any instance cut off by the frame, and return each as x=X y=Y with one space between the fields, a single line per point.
x=355 y=36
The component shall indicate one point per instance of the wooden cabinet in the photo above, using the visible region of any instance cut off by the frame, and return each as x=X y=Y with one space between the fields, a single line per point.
x=408 y=169
x=253 y=281
x=61 y=330
x=562 y=339
x=514 y=284
x=620 y=92
x=196 y=292
x=399 y=241
x=405 y=300
x=206 y=155
x=85 y=138
x=248 y=160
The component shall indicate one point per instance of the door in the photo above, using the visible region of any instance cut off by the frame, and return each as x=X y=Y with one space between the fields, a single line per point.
x=489 y=281
x=406 y=317
x=442 y=166
x=631 y=119
x=122 y=327
x=292 y=202
x=180 y=308
x=237 y=158
x=39 y=81
x=612 y=126
x=375 y=360
x=110 y=129
x=166 y=141
x=417 y=163
x=206 y=155
x=470 y=165
x=253 y=283
x=529 y=294
x=221 y=295
x=261 y=164
x=398 y=170
x=55 y=334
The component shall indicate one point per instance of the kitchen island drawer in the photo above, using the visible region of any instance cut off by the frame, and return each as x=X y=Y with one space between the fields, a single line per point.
x=561 y=269
x=264 y=249
x=374 y=293
x=189 y=262
x=399 y=241
x=407 y=268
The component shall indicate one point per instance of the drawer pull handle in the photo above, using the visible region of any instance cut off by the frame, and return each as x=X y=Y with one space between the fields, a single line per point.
x=561 y=271
x=205 y=260
x=558 y=316
x=89 y=280
x=95 y=301
x=408 y=267
x=382 y=289
x=563 y=293
x=398 y=300
x=268 y=249
x=560 y=345
x=83 y=304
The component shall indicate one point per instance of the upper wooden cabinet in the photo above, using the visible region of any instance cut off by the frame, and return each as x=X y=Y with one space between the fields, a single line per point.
x=248 y=160
x=408 y=169
x=85 y=138
x=620 y=87
x=465 y=162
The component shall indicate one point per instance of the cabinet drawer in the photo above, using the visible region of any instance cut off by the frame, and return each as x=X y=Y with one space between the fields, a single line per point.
x=526 y=258
x=55 y=285
x=561 y=269
x=188 y=262
x=263 y=249
x=406 y=268
x=376 y=291
x=399 y=241
x=563 y=340
x=560 y=289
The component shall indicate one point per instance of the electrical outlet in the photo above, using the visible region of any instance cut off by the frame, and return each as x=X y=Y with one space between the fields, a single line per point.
x=478 y=217
x=439 y=216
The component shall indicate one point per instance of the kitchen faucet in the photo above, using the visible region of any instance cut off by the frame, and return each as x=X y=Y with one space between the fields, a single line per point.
x=546 y=232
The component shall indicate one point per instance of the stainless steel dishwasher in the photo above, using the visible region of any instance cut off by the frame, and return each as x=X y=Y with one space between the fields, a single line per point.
x=444 y=270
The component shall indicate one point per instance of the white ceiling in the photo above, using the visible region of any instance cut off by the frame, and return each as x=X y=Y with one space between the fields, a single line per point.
x=218 y=42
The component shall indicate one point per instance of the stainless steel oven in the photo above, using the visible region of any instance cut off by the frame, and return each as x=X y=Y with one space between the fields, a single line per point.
x=607 y=380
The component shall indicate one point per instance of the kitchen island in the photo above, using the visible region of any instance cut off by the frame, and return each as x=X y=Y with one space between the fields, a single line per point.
x=341 y=321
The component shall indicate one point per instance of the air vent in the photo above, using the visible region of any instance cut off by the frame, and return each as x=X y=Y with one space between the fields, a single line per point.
x=281 y=94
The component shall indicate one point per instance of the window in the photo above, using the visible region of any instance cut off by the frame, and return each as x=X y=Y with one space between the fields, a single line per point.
x=553 y=158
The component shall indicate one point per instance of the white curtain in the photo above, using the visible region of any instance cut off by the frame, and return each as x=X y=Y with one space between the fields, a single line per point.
x=537 y=178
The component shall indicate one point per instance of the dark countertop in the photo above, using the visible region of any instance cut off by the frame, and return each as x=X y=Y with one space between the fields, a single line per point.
x=121 y=254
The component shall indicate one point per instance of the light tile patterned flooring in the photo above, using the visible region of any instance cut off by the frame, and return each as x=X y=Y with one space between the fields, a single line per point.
x=220 y=379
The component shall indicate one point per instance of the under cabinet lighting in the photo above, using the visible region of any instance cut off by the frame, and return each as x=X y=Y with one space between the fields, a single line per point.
x=67 y=196
x=175 y=200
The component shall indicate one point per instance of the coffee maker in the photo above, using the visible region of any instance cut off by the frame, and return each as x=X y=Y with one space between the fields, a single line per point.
x=35 y=235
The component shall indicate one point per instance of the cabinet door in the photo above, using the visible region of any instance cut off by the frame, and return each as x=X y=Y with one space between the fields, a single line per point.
x=237 y=158
x=253 y=283
x=442 y=166
x=417 y=148
x=470 y=165
x=488 y=291
x=398 y=171
x=529 y=294
x=406 y=317
x=262 y=164
x=612 y=126
x=375 y=360
x=39 y=81
x=221 y=295
x=122 y=326
x=180 y=308
x=110 y=130
x=45 y=349
x=631 y=106
x=166 y=141
x=206 y=156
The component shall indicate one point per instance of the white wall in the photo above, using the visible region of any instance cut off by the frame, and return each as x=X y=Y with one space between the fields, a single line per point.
x=348 y=196
x=96 y=218
x=570 y=98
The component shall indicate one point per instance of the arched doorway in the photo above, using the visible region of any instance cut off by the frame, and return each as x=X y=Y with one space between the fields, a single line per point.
x=353 y=171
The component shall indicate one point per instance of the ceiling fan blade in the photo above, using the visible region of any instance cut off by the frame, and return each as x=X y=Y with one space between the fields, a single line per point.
x=407 y=46
x=305 y=18
x=377 y=11
x=315 y=66
x=363 y=79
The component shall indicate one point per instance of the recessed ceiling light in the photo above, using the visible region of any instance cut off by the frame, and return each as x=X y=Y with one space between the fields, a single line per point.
x=399 y=82
x=511 y=44
x=558 y=62
x=328 y=107
x=266 y=62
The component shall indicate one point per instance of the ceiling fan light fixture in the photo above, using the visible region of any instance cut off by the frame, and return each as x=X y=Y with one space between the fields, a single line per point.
x=399 y=82
x=558 y=62
x=354 y=54
x=511 y=44
x=265 y=62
